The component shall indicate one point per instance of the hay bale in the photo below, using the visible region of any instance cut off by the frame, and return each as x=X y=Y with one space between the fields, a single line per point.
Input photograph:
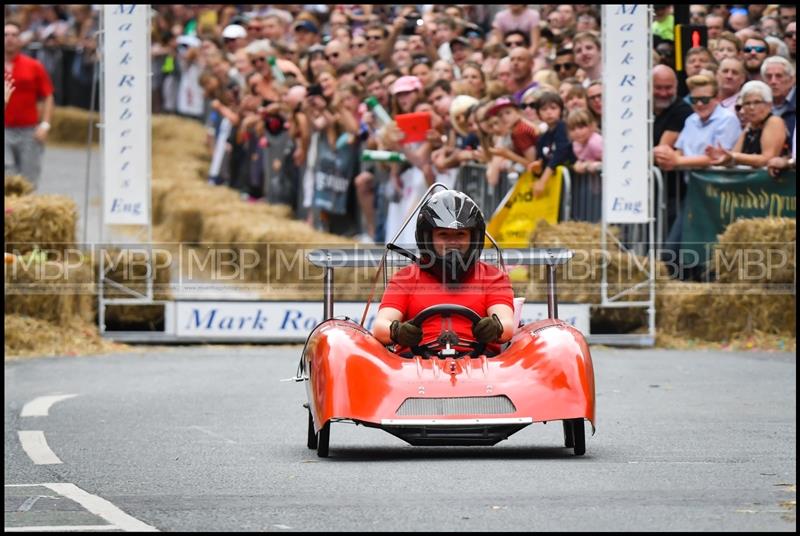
x=28 y=336
x=579 y=281
x=56 y=291
x=158 y=191
x=719 y=312
x=71 y=125
x=46 y=222
x=757 y=251
x=17 y=185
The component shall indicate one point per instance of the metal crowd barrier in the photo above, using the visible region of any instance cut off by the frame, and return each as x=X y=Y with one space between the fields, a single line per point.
x=471 y=180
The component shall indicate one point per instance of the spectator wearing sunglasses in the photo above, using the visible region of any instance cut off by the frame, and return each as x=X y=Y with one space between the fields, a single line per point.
x=790 y=38
x=755 y=50
x=564 y=65
x=517 y=17
x=337 y=53
x=710 y=124
x=516 y=38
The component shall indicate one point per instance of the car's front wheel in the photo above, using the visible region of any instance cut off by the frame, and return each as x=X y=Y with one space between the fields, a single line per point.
x=323 y=439
x=578 y=436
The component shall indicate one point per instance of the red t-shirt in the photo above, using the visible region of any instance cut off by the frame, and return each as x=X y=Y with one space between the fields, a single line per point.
x=411 y=290
x=31 y=83
x=523 y=136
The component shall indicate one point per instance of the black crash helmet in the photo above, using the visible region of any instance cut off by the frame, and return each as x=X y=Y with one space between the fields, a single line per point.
x=449 y=209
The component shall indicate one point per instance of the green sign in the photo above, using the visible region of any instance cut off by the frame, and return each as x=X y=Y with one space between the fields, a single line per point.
x=716 y=198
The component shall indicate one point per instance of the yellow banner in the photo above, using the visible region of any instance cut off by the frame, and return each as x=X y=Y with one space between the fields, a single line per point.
x=513 y=224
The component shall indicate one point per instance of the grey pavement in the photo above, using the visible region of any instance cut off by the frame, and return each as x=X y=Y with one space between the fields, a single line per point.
x=194 y=439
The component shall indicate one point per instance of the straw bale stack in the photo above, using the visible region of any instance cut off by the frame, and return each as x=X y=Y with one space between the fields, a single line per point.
x=71 y=125
x=27 y=336
x=56 y=291
x=719 y=312
x=757 y=251
x=180 y=150
x=43 y=221
x=158 y=191
x=579 y=280
x=17 y=185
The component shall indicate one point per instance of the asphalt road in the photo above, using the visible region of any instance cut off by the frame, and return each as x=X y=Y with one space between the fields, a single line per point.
x=208 y=438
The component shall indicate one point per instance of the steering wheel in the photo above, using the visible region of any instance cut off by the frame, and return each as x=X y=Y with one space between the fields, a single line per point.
x=446 y=310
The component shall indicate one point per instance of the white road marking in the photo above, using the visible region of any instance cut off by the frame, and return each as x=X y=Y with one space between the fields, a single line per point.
x=209 y=432
x=39 y=407
x=61 y=528
x=101 y=507
x=35 y=446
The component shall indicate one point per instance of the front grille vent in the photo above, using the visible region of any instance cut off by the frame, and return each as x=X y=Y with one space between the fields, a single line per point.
x=467 y=405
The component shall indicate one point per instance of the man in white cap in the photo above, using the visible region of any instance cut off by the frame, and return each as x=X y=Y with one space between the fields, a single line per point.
x=235 y=37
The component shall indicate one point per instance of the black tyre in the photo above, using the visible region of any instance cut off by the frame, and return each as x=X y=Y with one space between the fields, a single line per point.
x=578 y=436
x=569 y=439
x=311 y=442
x=323 y=439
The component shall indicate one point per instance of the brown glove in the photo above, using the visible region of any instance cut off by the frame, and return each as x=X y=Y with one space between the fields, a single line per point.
x=487 y=329
x=405 y=333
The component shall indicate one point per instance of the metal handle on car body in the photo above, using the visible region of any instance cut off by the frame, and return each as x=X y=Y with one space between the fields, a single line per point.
x=552 y=304
x=327 y=285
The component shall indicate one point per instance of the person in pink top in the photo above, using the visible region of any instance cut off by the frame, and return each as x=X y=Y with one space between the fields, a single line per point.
x=517 y=17
x=587 y=143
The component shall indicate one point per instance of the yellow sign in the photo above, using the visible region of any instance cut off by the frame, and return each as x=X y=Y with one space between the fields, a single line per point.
x=513 y=224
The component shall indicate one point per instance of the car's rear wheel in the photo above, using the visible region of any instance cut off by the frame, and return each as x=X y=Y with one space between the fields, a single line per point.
x=311 y=442
x=578 y=437
x=323 y=439
x=569 y=440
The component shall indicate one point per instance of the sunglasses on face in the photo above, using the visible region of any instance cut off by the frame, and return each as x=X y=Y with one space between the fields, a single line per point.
x=565 y=66
x=757 y=48
x=526 y=105
x=699 y=100
x=790 y=35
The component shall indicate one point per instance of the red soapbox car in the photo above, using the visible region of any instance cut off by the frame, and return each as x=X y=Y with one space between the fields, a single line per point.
x=441 y=396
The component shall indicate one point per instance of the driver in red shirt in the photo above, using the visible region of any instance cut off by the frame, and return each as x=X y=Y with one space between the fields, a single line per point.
x=450 y=235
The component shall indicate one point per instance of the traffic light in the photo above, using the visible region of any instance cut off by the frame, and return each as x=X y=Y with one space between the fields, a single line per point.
x=688 y=36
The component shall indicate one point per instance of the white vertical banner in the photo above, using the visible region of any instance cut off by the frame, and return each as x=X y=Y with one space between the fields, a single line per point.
x=626 y=127
x=126 y=114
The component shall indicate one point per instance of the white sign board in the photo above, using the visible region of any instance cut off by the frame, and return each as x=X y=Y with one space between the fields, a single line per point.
x=626 y=97
x=293 y=321
x=126 y=114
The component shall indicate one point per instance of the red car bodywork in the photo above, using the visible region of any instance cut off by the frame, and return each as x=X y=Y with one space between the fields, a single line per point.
x=545 y=372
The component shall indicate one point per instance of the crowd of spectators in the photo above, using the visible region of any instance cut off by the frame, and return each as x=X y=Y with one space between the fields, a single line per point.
x=295 y=97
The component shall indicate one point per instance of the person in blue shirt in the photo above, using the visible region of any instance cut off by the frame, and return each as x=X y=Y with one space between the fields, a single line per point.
x=709 y=125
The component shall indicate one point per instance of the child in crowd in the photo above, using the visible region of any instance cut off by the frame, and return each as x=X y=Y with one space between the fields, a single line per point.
x=524 y=134
x=554 y=148
x=587 y=143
